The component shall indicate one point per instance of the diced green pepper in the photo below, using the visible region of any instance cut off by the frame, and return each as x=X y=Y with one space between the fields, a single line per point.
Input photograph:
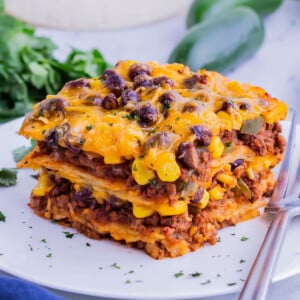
x=243 y=188
x=252 y=126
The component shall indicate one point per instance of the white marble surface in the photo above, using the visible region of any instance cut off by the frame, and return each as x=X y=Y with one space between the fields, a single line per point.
x=276 y=67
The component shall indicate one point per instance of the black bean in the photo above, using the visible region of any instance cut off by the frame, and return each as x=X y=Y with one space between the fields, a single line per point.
x=78 y=83
x=83 y=194
x=236 y=163
x=138 y=69
x=166 y=99
x=116 y=84
x=85 y=198
x=188 y=155
x=163 y=80
x=110 y=102
x=192 y=81
x=142 y=80
x=198 y=195
x=147 y=115
x=244 y=106
x=115 y=202
x=107 y=73
x=52 y=106
x=55 y=134
x=203 y=135
x=227 y=105
x=190 y=107
x=52 y=138
x=161 y=140
x=129 y=95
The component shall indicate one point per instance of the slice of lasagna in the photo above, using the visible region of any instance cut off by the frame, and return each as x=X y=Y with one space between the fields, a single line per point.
x=154 y=155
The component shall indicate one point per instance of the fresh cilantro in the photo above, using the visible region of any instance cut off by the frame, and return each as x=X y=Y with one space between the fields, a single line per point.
x=132 y=116
x=128 y=281
x=244 y=238
x=116 y=266
x=20 y=152
x=179 y=274
x=89 y=127
x=88 y=244
x=29 y=71
x=242 y=261
x=206 y=282
x=2 y=217
x=49 y=255
x=8 y=177
x=68 y=235
x=43 y=241
x=231 y=283
x=196 y=274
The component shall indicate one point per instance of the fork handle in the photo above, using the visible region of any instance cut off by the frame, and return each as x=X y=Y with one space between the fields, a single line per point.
x=257 y=283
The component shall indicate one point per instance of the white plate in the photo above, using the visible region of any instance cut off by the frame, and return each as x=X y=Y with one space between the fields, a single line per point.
x=108 y=269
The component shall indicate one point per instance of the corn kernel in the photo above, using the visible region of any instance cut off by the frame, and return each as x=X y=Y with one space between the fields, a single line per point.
x=142 y=211
x=112 y=159
x=227 y=179
x=204 y=200
x=141 y=174
x=216 y=193
x=44 y=185
x=193 y=230
x=250 y=173
x=167 y=167
x=226 y=120
x=179 y=207
x=216 y=147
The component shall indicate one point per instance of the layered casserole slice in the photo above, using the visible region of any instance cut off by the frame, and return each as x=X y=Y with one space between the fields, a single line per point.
x=155 y=156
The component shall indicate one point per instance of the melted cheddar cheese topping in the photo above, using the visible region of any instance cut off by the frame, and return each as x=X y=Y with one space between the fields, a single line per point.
x=118 y=134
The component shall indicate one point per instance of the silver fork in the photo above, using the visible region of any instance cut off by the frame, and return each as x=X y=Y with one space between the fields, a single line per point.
x=258 y=281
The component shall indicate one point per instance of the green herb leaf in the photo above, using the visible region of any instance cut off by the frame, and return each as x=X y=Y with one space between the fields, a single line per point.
x=179 y=274
x=196 y=274
x=20 y=152
x=68 y=235
x=8 y=177
x=116 y=266
x=244 y=238
x=2 y=217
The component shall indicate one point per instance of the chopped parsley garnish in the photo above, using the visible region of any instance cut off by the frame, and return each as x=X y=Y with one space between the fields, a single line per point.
x=179 y=274
x=43 y=241
x=88 y=244
x=242 y=261
x=8 y=177
x=196 y=274
x=82 y=141
x=89 y=127
x=2 y=217
x=128 y=281
x=231 y=283
x=68 y=235
x=132 y=116
x=206 y=282
x=244 y=238
x=218 y=239
x=49 y=255
x=116 y=266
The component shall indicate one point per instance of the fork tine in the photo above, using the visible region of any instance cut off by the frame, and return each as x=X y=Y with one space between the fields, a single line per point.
x=282 y=181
